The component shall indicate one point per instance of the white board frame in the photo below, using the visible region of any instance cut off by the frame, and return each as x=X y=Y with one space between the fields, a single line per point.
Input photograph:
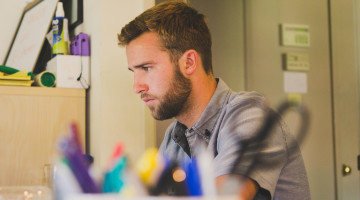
x=30 y=35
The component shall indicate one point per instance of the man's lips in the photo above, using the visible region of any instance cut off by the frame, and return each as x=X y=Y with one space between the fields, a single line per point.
x=147 y=100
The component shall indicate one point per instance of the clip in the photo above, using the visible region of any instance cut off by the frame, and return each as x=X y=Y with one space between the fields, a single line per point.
x=80 y=45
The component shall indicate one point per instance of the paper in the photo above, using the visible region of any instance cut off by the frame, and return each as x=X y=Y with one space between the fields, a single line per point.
x=295 y=82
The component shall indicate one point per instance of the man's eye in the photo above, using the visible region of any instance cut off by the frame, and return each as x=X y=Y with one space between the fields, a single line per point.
x=145 y=68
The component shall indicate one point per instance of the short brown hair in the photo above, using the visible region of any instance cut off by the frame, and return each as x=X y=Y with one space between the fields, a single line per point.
x=179 y=26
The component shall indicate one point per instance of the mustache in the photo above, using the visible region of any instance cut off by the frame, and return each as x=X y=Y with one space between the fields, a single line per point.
x=146 y=95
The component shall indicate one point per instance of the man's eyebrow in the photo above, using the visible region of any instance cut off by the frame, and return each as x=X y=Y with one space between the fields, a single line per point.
x=140 y=65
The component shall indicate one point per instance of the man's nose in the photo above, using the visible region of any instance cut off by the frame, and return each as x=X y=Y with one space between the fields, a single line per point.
x=140 y=86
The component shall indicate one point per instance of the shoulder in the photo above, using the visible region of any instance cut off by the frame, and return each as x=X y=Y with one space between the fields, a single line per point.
x=245 y=107
x=240 y=117
x=167 y=136
x=169 y=131
x=248 y=99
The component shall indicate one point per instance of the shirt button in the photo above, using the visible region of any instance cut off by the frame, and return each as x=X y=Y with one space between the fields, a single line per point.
x=207 y=133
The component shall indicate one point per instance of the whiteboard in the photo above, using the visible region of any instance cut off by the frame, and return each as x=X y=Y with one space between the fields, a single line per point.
x=30 y=35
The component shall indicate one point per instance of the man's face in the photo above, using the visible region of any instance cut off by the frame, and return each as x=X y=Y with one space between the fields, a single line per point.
x=162 y=86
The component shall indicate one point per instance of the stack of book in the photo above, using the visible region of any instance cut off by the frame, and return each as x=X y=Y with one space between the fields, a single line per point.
x=20 y=78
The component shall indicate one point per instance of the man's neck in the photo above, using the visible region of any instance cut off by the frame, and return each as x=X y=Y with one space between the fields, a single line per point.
x=199 y=98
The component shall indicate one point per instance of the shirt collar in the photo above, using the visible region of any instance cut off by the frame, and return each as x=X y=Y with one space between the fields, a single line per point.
x=210 y=114
x=208 y=118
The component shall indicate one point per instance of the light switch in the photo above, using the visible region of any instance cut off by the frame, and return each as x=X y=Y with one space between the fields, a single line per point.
x=296 y=61
x=295 y=35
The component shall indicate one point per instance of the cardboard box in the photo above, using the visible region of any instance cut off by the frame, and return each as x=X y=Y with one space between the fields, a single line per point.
x=70 y=71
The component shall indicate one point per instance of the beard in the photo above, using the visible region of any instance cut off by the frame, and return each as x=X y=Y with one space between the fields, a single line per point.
x=173 y=101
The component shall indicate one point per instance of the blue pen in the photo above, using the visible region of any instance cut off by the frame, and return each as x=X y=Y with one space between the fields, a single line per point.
x=193 y=181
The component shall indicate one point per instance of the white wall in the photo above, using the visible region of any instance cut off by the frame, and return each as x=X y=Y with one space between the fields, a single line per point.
x=116 y=114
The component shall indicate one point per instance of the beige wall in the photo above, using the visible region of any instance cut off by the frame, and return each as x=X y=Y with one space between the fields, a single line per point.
x=227 y=30
x=345 y=57
x=333 y=85
x=116 y=114
x=264 y=74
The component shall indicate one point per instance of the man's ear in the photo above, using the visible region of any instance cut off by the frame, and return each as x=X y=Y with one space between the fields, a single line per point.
x=190 y=61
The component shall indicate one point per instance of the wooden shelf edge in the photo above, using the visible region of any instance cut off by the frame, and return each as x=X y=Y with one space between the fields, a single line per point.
x=42 y=91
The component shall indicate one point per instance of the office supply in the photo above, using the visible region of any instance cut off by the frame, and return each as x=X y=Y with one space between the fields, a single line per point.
x=75 y=136
x=20 y=78
x=70 y=71
x=72 y=151
x=7 y=70
x=150 y=166
x=45 y=79
x=162 y=176
x=66 y=183
x=60 y=32
x=206 y=172
x=114 y=176
x=154 y=175
x=15 y=83
x=21 y=75
x=10 y=70
x=80 y=45
x=30 y=35
x=114 y=179
x=171 y=182
x=193 y=180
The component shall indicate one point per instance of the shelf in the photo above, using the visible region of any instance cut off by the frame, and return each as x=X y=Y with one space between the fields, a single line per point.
x=32 y=119
x=42 y=91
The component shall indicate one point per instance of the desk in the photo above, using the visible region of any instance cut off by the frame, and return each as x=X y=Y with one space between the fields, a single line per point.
x=31 y=120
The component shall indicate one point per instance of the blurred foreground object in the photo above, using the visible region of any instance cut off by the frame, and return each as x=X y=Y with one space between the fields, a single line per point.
x=25 y=193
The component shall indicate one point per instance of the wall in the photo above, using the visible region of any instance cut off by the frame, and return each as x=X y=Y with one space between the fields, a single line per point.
x=227 y=39
x=115 y=113
x=264 y=74
x=345 y=29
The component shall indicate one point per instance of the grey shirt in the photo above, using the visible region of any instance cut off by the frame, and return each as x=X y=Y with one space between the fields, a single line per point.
x=233 y=117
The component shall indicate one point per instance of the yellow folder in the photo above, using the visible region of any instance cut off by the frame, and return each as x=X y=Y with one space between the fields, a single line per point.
x=20 y=78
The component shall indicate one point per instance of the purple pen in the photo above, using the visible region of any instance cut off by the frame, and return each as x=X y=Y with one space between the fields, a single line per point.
x=78 y=166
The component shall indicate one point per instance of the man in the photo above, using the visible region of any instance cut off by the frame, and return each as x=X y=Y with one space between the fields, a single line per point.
x=168 y=49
